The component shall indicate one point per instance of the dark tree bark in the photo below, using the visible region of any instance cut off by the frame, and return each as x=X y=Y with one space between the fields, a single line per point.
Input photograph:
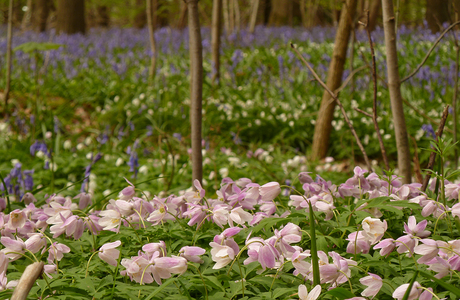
x=281 y=13
x=71 y=16
x=27 y=18
x=42 y=10
x=394 y=86
x=196 y=87
x=150 y=11
x=255 y=9
x=215 y=38
x=437 y=13
x=323 y=125
x=182 y=17
x=374 y=12
x=8 y=55
x=140 y=19
x=102 y=16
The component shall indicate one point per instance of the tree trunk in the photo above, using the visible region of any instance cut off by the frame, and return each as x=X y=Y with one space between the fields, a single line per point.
x=42 y=10
x=150 y=10
x=196 y=87
x=182 y=17
x=374 y=14
x=8 y=56
x=27 y=18
x=215 y=38
x=437 y=13
x=140 y=19
x=71 y=16
x=255 y=9
x=394 y=86
x=231 y=15
x=237 y=22
x=280 y=13
x=323 y=125
x=102 y=17
x=226 y=17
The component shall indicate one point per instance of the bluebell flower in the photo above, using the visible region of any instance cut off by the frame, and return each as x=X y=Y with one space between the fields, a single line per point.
x=429 y=131
x=178 y=136
x=28 y=180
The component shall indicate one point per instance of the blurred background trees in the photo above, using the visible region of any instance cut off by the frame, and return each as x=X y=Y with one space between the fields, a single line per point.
x=72 y=16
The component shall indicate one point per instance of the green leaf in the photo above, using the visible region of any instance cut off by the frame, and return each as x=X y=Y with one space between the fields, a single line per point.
x=409 y=288
x=213 y=282
x=34 y=46
x=444 y=284
x=161 y=288
x=281 y=291
x=341 y=293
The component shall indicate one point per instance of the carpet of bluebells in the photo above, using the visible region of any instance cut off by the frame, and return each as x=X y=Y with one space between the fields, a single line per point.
x=96 y=173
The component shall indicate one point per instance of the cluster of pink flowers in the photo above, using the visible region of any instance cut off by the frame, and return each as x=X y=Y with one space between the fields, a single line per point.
x=152 y=263
x=239 y=204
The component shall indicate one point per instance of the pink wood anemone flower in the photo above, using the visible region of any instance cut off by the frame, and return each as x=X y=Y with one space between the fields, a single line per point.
x=17 y=219
x=109 y=254
x=415 y=293
x=192 y=253
x=374 y=284
x=305 y=295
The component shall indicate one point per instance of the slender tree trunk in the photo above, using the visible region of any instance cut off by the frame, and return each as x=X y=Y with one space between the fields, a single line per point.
x=437 y=13
x=42 y=10
x=231 y=15
x=8 y=55
x=236 y=7
x=255 y=9
x=196 y=87
x=153 y=62
x=183 y=17
x=323 y=125
x=27 y=18
x=71 y=16
x=226 y=17
x=303 y=12
x=140 y=18
x=374 y=14
x=280 y=12
x=215 y=38
x=394 y=86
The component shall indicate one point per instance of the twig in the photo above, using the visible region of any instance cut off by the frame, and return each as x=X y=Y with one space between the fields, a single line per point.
x=31 y=273
x=431 y=50
x=366 y=159
x=417 y=169
x=348 y=79
x=424 y=115
x=374 y=110
x=432 y=159
x=345 y=82
x=363 y=112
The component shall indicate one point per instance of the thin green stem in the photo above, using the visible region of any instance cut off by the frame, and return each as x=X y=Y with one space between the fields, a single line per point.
x=202 y=279
x=89 y=260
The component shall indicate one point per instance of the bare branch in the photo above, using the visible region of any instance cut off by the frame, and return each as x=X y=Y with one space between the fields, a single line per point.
x=431 y=50
x=432 y=159
x=344 y=113
x=374 y=110
x=363 y=112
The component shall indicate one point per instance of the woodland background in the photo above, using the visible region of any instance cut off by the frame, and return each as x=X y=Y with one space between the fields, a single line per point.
x=72 y=16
